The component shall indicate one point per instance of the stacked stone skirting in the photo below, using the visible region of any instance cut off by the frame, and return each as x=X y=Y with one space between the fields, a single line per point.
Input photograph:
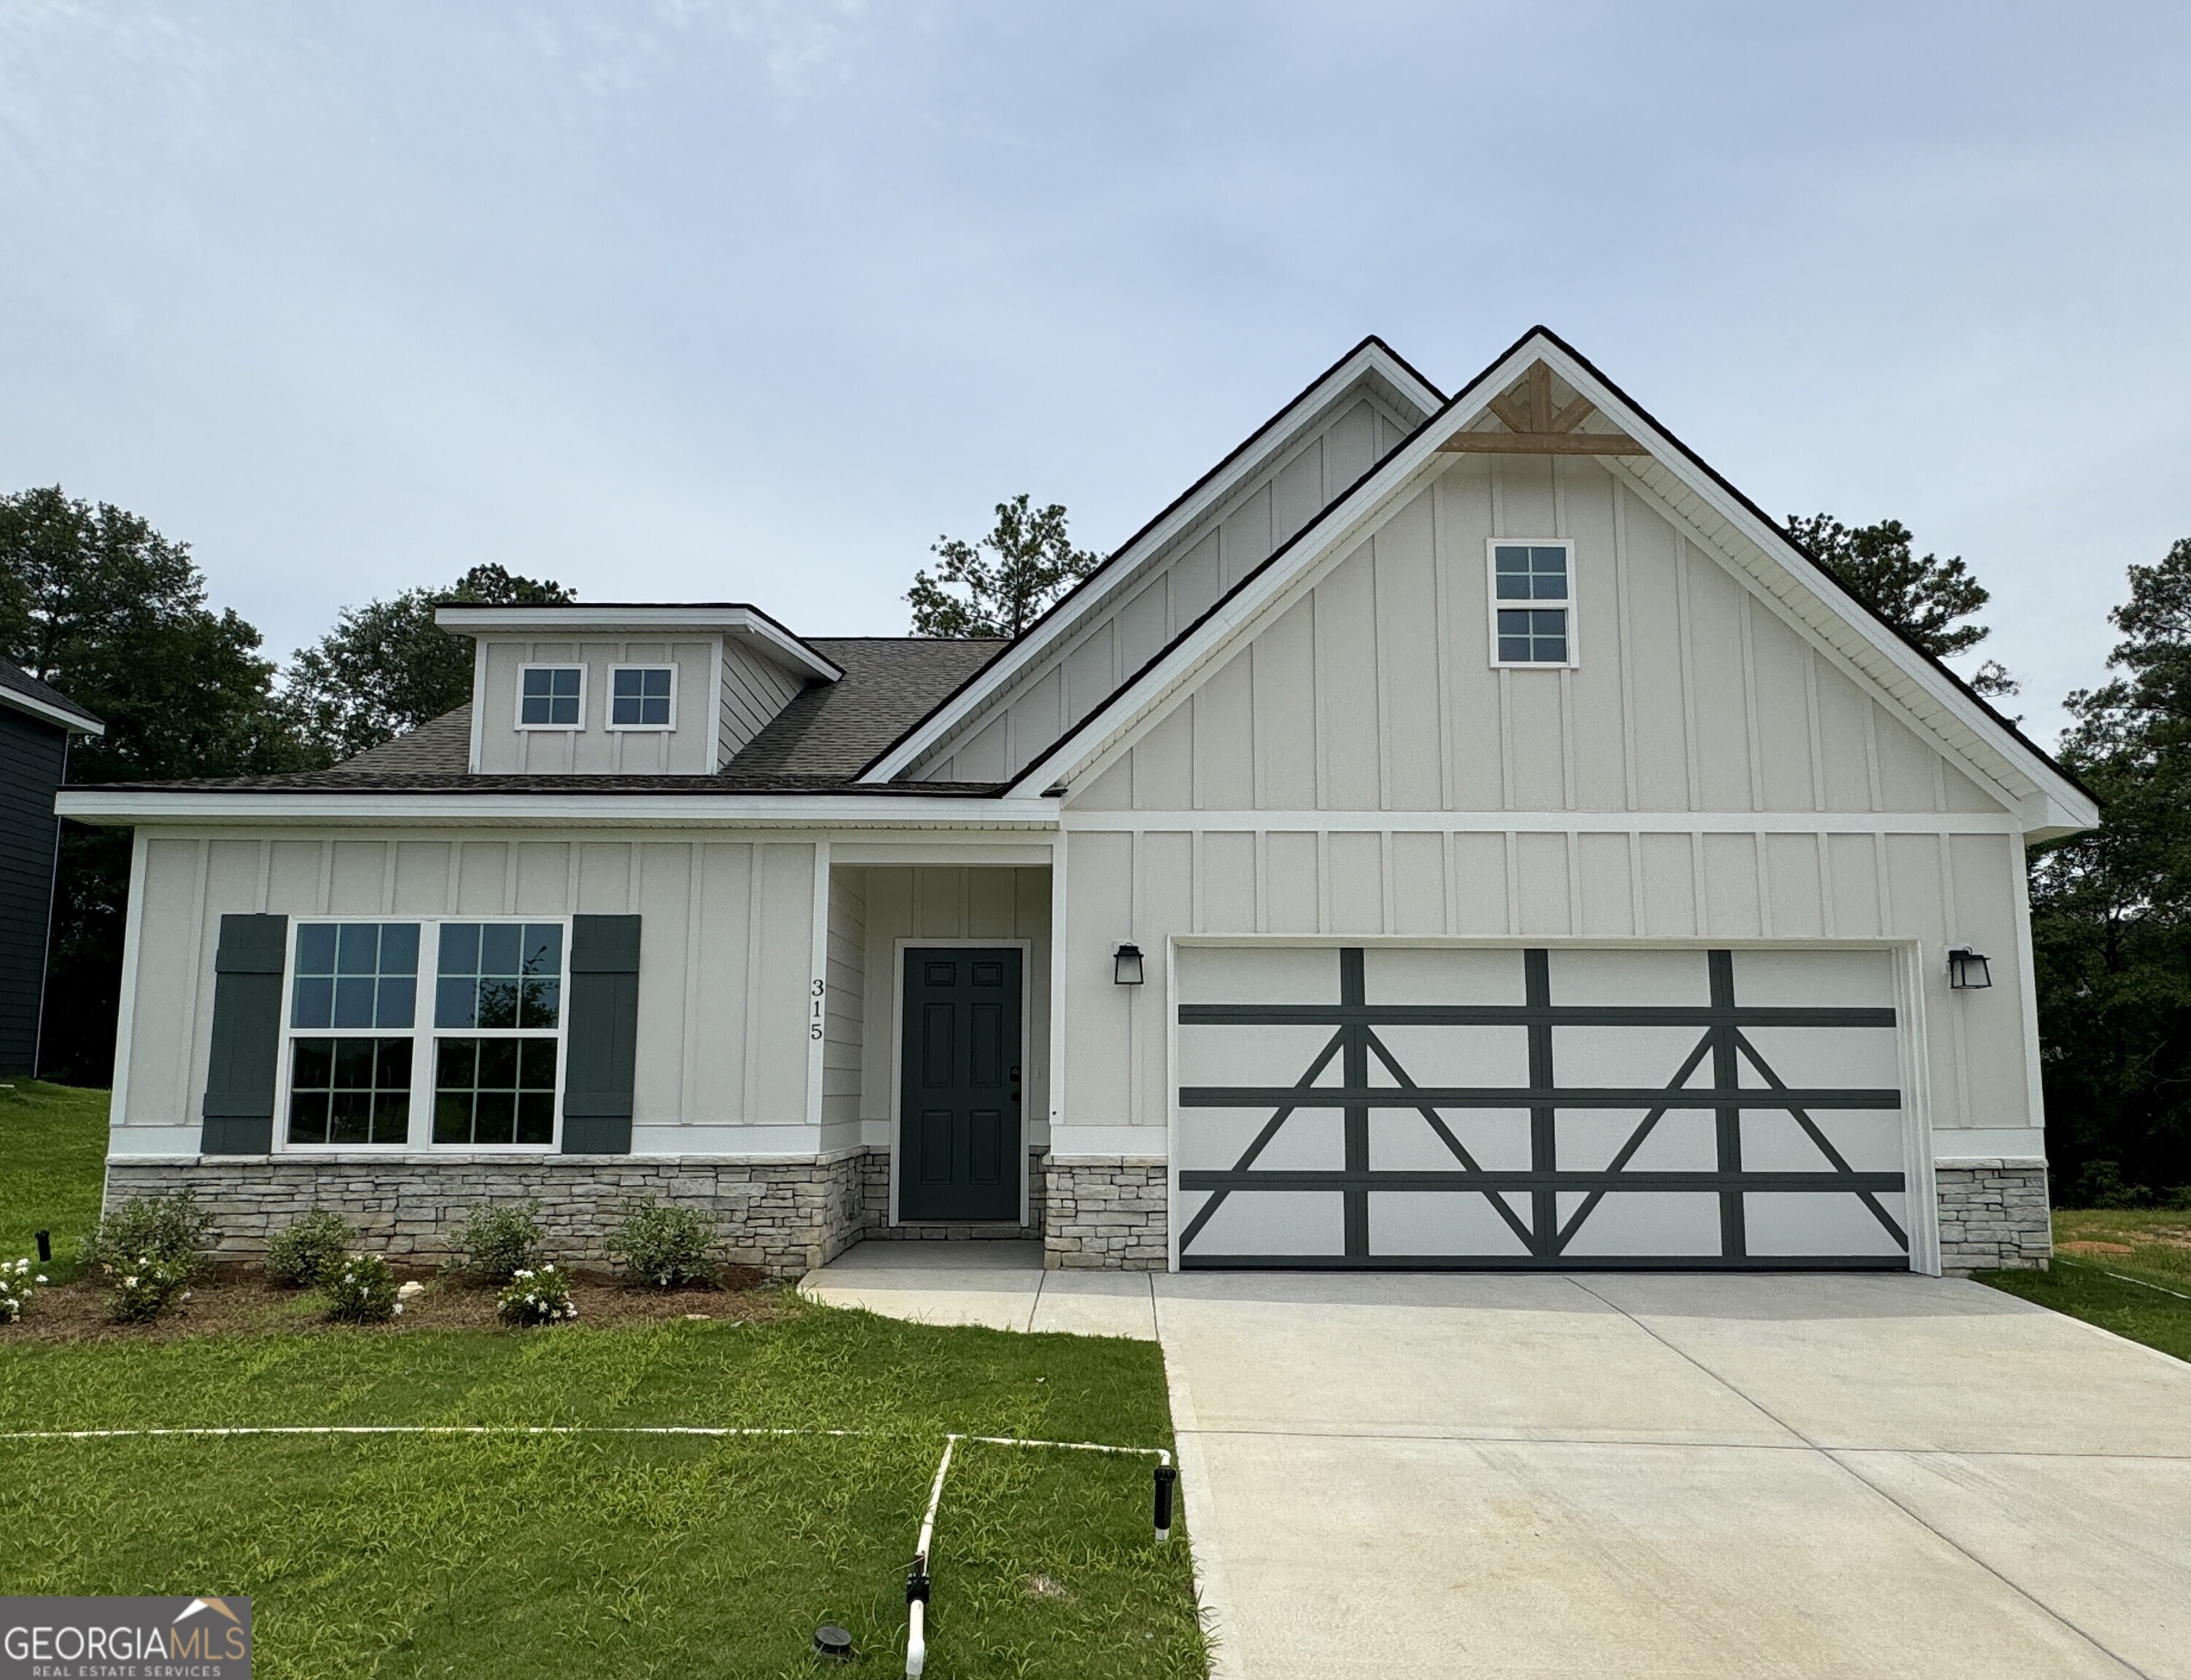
x=1994 y=1215
x=785 y=1217
x=1107 y=1212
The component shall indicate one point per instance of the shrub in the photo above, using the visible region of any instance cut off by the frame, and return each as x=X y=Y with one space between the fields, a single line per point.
x=362 y=1290
x=665 y=1246
x=17 y=1285
x=145 y=1287
x=306 y=1252
x=537 y=1297
x=172 y=1229
x=500 y=1241
x=2102 y=1185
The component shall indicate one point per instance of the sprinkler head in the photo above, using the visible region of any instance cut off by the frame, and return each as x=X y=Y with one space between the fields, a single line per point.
x=833 y=1641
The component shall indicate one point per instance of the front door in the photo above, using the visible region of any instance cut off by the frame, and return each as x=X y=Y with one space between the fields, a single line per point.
x=959 y=1113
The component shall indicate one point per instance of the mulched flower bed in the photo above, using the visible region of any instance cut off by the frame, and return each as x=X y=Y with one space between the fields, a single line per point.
x=237 y=1300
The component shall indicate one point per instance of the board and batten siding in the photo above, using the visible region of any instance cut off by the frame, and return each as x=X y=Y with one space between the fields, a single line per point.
x=1358 y=769
x=32 y=757
x=1172 y=589
x=690 y=748
x=753 y=692
x=844 y=1009
x=911 y=903
x=1376 y=690
x=726 y=961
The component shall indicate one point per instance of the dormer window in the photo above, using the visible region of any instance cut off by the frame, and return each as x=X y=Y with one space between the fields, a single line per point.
x=1533 y=602
x=642 y=697
x=551 y=697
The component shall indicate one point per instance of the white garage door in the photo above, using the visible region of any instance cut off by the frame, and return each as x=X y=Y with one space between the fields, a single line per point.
x=1556 y=1109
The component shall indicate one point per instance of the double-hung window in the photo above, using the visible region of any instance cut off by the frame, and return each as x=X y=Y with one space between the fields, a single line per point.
x=475 y=1062
x=353 y=1004
x=642 y=697
x=1532 y=603
x=551 y=697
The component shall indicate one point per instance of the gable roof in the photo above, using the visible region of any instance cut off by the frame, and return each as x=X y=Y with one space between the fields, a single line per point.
x=2049 y=798
x=21 y=691
x=1372 y=361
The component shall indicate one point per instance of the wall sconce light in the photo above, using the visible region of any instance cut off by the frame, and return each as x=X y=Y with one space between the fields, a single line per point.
x=1967 y=970
x=1126 y=965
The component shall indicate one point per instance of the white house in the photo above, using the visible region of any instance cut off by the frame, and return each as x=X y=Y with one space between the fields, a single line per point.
x=1458 y=832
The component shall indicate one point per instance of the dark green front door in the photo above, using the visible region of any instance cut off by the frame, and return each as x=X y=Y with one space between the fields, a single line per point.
x=959 y=1112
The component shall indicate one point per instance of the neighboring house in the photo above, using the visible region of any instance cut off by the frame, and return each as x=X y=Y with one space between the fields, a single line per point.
x=35 y=726
x=1458 y=832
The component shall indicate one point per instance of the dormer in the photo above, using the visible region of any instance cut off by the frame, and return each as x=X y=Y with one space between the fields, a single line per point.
x=625 y=688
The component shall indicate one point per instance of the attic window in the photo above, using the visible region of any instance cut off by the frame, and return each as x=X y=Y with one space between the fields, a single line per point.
x=551 y=697
x=1532 y=603
x=642 y=697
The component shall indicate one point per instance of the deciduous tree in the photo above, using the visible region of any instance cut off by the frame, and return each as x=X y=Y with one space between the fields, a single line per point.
x=95 y=602
x=2111 y=912
x=387 y=667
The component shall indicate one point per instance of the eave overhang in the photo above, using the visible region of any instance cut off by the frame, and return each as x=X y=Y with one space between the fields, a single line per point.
x=733 y=619
x=319 y=808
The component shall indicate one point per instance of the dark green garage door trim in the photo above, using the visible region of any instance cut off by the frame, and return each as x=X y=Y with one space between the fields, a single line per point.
x=1722 y=1041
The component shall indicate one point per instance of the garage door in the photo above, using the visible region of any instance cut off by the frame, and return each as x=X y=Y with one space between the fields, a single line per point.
x=1554 y=1109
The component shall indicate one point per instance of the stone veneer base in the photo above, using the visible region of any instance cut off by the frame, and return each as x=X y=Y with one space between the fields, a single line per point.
x=785 y=1217
x=1994 y=1215
x=1108 y=1212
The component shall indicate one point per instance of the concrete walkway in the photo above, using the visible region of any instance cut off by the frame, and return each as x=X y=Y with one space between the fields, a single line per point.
x=1643 y=1475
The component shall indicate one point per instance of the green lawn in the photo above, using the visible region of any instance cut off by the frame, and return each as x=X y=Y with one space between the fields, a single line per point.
x=631 y=1555
x=582 y=1554
x=2114 y=1268
x=53 y=1146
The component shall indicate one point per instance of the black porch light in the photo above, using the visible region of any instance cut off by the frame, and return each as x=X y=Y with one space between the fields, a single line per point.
x=1967 y=970
x=1126 y=965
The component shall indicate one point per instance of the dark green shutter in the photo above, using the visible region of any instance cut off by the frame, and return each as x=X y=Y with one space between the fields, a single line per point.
x=603 y=1039
x=247 y=1035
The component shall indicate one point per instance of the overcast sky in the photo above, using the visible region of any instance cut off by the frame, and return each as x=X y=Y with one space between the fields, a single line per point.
x=753 y=301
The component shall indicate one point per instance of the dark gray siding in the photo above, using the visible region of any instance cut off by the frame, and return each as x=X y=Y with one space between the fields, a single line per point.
x=31 y=756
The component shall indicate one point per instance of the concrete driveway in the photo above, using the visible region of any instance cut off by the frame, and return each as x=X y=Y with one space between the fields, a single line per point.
x=1649 y=1475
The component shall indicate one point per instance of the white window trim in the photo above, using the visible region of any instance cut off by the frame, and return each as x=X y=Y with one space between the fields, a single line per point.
x=552 y=665
x=423 y=1034
x=1491 y=547
x=609 y=721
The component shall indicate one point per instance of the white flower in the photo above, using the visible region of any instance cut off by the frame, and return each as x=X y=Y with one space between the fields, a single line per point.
x=130 y=1283
x=399 y=1307
x=42 y=1276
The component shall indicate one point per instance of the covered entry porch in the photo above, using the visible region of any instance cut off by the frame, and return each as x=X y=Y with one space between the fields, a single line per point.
x=932 y=1030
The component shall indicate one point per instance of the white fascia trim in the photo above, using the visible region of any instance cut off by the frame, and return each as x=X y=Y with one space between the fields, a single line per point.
x=549 y=622
x=2065 y=798
x=51 y=712
x=562 y=810
x=1544 y=821
x=1278 y=436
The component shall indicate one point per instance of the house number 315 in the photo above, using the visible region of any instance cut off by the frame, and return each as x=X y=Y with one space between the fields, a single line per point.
x=814 y=1025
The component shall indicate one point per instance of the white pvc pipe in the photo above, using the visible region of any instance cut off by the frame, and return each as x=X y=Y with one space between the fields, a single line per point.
x=916 y=1640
